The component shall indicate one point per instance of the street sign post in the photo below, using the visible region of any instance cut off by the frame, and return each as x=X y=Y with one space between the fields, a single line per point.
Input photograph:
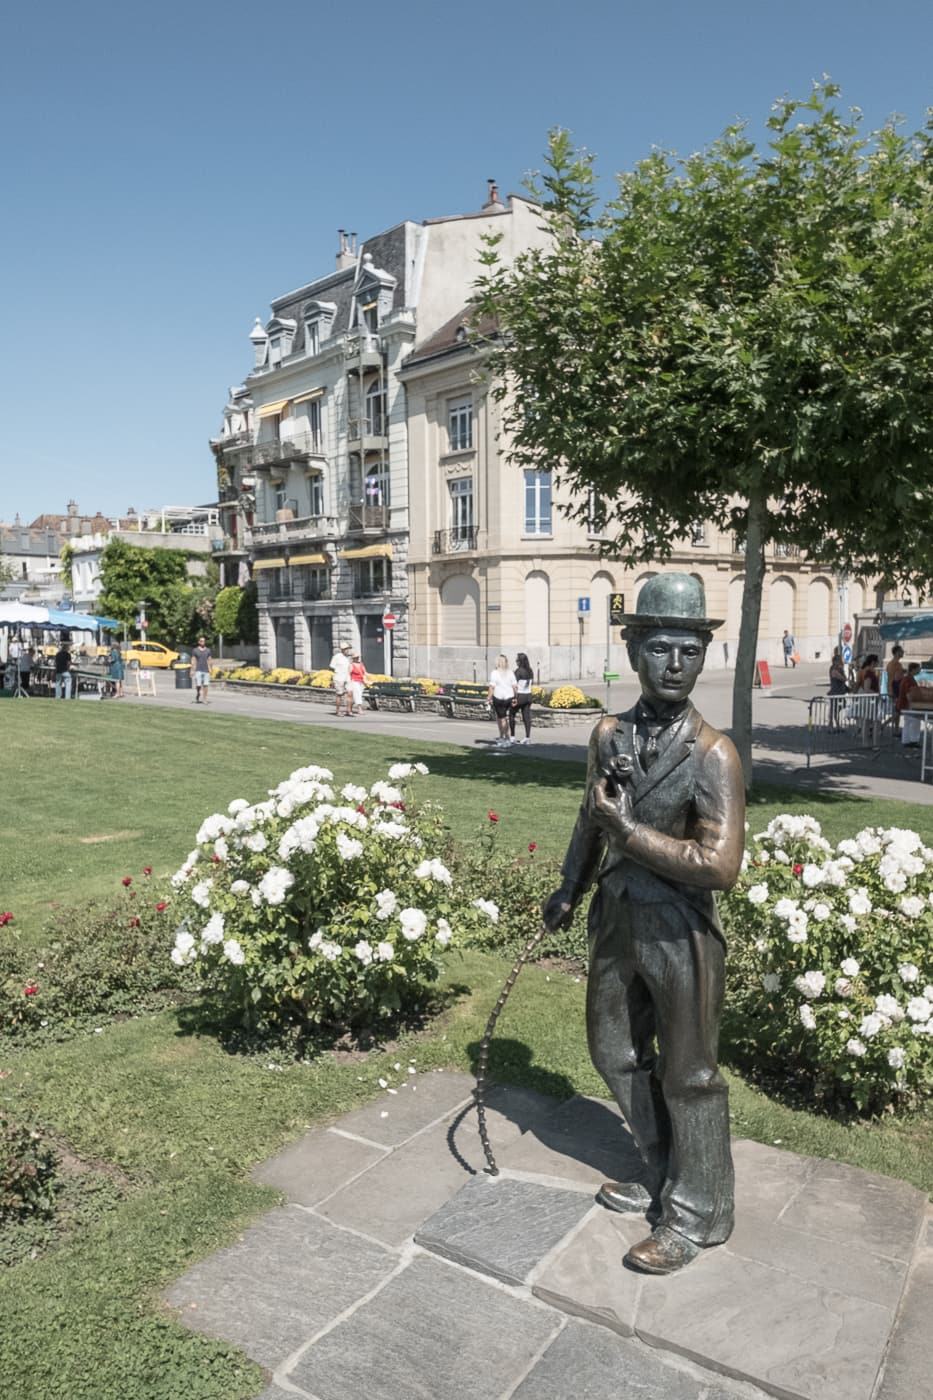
x=847 y=633
x=583 y=606
x=616 y=610
x=388 y=620
x=847 y=651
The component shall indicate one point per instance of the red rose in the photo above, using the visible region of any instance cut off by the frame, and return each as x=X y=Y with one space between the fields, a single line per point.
x=160 y=907
x=532 y=845
x=215 y=859
x=798 y=869
x=134 y=922
x=30 y=989
x=127 y=880
x=5 y=919
x=147 y=869
x=493 y=816
x=399 y=806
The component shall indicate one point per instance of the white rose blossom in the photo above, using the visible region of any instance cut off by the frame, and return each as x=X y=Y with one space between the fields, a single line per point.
x=364 y=951
x=889 y=1007
x=234 y=953
x=850 y=967
x=386 y=904
x=255 y=842
x=487 y=907
x=353 y=793
x=414 y=922
x=240 y=887
x=201 y=894
x=855 y=1047
x=871 y=1025
x=384 y=952
x=919 y=1009
x=821 y=911
x=811 y=876
x=213 y=930
x=807 y=1018
x=239 y=804
x=275 y=884
x=859 y=902
x=810 y=984
x=907 y=972
x=842 y=987
x=757 y=894
x=434 y=870
x=348 y=848
x=444 y=932
x=896 y=1057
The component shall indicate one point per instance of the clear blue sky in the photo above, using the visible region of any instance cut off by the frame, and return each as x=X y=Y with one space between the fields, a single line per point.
x=169 y=168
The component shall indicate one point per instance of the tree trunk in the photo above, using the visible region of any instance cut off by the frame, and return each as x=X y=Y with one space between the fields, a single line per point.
x=748 y=633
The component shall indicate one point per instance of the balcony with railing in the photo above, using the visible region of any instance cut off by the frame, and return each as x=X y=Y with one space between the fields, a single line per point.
x=307 y=527
x=233 y=449
x=369 y=433
x=284 y=590
x=363 y=519
x=363 y=351
x=460 y=540
x=270 y=452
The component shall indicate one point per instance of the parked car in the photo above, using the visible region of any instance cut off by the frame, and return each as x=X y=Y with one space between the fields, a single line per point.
x=149 y=654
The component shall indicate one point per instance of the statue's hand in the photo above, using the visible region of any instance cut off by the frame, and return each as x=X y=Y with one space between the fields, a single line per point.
x=557 y=912
x=612 y=810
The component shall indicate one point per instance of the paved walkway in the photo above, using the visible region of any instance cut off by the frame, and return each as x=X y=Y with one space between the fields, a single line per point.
x=780 y=718
x=398 y=1270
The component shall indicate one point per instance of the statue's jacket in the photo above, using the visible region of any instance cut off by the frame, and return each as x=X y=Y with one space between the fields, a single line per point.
x=688 y=808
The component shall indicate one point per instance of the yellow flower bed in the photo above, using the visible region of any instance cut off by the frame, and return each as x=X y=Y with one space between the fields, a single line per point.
x=567 y=697
x=428 y=687
x=281 y=674
x=375 y=678
x=322 y=680
x=246 y=673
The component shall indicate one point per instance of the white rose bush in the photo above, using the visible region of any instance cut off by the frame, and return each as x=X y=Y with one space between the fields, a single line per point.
x=831 y=962
x=320 y=906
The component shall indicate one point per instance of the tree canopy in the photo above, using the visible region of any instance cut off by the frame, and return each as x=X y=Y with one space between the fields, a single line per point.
x=743 y=336
x=177 y=607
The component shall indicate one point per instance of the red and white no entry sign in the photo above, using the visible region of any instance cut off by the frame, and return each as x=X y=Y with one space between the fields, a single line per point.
x=388 y=621
x=847 y=633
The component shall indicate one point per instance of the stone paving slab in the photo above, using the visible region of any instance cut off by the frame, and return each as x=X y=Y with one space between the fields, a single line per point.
x=589 y=1363
x=288 y=1276
x=843 y=1203
x=419 y=1102
x=502 y=1227
x=433 y=1332
x=584 y=1142
x=909 y=1362
x=587 y=1278
x=322 y=1162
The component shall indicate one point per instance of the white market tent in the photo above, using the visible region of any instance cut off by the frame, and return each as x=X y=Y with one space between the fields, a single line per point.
x=14 y=614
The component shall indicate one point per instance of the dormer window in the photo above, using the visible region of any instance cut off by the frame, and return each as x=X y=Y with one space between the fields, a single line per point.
x=281 y=337
x=318 y=318
x=312 y=337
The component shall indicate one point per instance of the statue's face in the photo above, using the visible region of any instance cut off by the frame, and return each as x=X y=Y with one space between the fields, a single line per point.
x=669 y=662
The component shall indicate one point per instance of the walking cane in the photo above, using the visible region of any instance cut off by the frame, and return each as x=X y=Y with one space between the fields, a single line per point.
x=483 y=1057
x=616 y=772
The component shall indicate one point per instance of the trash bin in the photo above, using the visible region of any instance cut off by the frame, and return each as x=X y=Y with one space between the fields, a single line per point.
x=182 y=669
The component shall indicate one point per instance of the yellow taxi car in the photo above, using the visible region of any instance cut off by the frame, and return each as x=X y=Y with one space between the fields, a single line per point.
x=148 y=654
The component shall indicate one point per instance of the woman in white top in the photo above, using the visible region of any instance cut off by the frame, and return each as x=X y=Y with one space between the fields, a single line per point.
x=503 y=688
x=522 y=703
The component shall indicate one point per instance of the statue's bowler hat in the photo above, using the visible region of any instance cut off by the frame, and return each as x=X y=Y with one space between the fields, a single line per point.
x=672 y=600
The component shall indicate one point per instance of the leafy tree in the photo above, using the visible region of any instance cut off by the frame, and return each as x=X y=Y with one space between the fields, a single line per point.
x=743 y=336
x=235 y=614
x=177 y=606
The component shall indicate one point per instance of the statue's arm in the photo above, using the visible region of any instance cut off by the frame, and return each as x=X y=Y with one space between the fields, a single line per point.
x=585 y=852
x=711 y=856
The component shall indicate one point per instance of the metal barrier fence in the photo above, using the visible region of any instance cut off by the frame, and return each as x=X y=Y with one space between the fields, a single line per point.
x=839 y=722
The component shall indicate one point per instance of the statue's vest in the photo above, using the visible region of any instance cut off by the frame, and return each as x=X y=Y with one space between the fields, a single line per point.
x=662 y=798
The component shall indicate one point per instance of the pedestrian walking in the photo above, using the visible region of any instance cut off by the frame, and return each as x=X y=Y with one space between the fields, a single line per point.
x=116 y=671
x=895 y=671
x=521 y=705
x=62 y=665
x=357 y=682
x=24 y=663
x=790 y=649
x=201 y=670
x=503 y=689
x=340 y=665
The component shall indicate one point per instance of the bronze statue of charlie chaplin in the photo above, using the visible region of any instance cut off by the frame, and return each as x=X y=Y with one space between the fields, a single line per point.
x=661 y=828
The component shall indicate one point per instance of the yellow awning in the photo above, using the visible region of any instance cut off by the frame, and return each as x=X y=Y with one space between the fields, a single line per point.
x=271 y=410
x=309 y=559
x=268 y=564
x=369 y=551
x=306 y=398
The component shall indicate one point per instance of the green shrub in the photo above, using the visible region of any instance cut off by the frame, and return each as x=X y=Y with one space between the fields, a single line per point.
x=28 y=1170
x=315 y=908
x=830 y=972
x=101 y=959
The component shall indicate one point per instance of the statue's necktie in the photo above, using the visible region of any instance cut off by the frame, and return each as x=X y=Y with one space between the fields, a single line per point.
x=650 y=745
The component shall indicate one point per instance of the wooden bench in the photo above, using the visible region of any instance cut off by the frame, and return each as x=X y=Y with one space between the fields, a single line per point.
x=392 y=695
x=465 y=702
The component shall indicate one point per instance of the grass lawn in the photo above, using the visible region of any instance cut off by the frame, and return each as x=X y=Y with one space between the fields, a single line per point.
x=176 y=1120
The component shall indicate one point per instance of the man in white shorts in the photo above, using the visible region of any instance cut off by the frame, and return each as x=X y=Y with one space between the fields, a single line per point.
x=201 y=670
x=340 y=665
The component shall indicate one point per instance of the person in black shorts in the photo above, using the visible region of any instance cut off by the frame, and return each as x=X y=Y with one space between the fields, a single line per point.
x=521 y=705
x=503 y=688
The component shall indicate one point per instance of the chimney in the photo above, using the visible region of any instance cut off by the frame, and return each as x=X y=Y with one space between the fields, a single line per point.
x=493 y=201
x=72 y=507
x=346 y=255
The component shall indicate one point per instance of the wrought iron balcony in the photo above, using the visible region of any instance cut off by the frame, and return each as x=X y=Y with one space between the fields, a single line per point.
x=271 y=451
x=234 y=448
x=362 y=517
x=460 y=540
x=285 y=590
x=370 y=432
x=306 y=527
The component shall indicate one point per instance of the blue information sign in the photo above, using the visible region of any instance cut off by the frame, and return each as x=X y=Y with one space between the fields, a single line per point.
x=583 y=605
x=847 y=654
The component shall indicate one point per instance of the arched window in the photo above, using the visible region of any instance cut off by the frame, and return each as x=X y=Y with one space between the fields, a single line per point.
x=537 y=609
x=460 y=610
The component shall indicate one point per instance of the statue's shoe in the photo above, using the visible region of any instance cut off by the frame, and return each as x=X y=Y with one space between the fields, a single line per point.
x=626 y=1197
x=663 y=1252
